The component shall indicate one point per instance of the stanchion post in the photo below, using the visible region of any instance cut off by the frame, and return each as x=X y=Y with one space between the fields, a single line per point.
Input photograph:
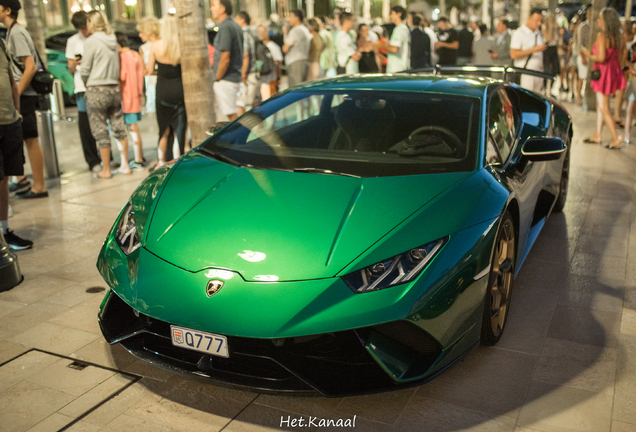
x=10 y=274
x=47 y=140
x=57 y=105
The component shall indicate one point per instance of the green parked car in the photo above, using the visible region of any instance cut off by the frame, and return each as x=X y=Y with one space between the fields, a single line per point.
x=350 y=235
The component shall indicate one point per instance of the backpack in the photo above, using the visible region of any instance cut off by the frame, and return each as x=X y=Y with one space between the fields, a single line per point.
x=264 y=62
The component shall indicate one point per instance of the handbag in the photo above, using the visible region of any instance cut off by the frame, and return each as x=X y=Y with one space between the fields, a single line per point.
x=595 y=75
x=341 y=70
x=42 y=81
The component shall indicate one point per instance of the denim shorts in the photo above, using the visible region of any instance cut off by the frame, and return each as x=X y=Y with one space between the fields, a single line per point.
x=132 y=118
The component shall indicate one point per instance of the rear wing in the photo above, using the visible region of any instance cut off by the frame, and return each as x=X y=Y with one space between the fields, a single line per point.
x=505 y=73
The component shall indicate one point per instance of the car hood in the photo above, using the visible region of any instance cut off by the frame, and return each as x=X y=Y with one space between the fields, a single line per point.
x=278 y=225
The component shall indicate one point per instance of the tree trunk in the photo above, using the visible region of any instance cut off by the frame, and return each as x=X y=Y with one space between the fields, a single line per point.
x=195 y=68
x=34 y=26
x=590 y=97
x=386 y=10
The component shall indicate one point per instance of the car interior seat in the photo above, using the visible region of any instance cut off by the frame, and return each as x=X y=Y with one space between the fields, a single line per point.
x=363 y=126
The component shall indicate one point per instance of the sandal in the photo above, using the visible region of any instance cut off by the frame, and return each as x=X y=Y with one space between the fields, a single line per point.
x=618 y=146
x=99 y=176
x=589 y=141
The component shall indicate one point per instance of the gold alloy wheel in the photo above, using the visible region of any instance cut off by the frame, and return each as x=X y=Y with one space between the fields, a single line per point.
x=502 y=277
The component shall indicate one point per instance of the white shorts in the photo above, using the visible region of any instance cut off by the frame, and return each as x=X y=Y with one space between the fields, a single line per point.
x=225 y=98
x=532 y=83
x=247 y=92
x=582 y=69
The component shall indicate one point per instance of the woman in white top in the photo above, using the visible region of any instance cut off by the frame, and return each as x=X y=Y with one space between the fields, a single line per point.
x=149 y=30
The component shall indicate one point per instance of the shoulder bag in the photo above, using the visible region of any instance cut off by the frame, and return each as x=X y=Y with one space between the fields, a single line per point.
x=42 y=81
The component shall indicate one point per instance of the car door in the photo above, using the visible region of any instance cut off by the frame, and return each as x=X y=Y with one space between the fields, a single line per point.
x=524 y=180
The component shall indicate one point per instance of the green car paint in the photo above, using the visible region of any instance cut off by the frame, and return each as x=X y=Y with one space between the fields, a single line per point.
x=58 y=66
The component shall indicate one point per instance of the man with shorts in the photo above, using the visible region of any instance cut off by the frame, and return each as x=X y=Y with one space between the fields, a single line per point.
x=74 y=51
x=11 y=153
x=249 y=77
x=296 y=48
x=228 y=60
x=23 y=55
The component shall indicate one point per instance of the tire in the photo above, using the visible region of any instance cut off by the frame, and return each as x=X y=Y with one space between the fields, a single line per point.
x=500 y=282
x=563 y=186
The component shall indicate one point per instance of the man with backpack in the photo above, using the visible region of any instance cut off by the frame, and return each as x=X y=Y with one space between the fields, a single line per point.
x=24 y=55
x=11 y=153
x=249 y=76
x=268 y=59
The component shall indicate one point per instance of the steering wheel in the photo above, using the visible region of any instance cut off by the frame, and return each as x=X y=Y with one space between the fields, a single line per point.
x=455 y=144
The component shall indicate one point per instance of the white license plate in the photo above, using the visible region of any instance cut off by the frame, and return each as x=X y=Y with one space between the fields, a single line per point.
x=208 y=343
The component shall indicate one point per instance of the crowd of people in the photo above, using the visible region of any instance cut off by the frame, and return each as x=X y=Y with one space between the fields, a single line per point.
x=115 y=84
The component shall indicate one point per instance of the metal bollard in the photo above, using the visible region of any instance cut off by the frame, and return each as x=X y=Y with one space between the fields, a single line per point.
x=57 y=103
x=10 y=275
x=47 y=140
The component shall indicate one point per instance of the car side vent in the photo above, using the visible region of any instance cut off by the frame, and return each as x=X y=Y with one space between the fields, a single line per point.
x=411 y=336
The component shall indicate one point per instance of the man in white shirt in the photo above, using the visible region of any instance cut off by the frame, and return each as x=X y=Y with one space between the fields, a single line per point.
x=399 y=47
x=426 y=26
x=74 y=51
x=526 y=49
x=296 y=48
x=347 y=55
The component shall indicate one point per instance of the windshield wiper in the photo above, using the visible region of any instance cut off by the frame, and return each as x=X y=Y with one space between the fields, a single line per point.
x=323 y=171
x=223 y=158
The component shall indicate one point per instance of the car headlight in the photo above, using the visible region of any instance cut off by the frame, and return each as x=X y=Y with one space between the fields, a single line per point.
x=394 y=271
x=127 y=235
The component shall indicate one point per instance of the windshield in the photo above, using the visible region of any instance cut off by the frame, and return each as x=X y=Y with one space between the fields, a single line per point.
x=363 y=133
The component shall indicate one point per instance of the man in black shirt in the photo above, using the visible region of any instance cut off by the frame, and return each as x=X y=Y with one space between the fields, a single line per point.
x=420 y=42
x=447 y=42
x=465 y=50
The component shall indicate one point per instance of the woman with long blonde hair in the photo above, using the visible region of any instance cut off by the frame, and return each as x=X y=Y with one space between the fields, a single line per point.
x=100 y=73
x=170 y=105
x=605 y=55
x=149 y=30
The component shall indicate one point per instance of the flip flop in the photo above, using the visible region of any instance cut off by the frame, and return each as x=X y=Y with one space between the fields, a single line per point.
x=97 y=176
x=589 y=141
x=616 y=147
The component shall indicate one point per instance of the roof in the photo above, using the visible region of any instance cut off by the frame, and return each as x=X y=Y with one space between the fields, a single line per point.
x=459 y=85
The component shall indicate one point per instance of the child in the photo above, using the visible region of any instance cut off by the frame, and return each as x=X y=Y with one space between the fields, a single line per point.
x=131 y=83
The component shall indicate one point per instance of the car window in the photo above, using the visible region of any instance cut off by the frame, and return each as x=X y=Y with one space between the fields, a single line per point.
x=292 y=114
x=502 y=128
x=365 y=133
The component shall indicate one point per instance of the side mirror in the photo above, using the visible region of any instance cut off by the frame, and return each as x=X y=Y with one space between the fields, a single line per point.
x=214 y=129
x=543 y=149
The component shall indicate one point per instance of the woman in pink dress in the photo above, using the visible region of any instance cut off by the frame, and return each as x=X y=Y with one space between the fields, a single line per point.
x=606 y=54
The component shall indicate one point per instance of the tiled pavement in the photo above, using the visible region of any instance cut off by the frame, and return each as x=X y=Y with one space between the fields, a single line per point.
x=567 y=361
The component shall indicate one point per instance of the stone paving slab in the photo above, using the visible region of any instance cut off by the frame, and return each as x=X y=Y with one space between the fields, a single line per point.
x=40 y=391
x=567 y=361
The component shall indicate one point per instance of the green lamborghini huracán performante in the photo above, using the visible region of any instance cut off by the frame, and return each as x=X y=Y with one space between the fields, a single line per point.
x=352 y=235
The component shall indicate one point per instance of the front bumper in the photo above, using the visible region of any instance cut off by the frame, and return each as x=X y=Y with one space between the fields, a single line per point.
x=334 y=364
